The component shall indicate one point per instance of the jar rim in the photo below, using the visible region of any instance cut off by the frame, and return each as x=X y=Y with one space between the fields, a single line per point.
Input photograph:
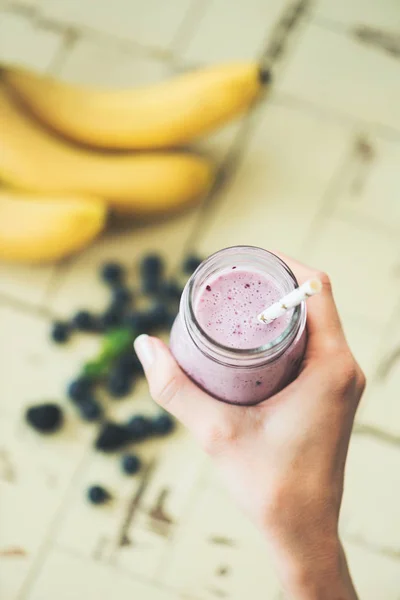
x=268 y=351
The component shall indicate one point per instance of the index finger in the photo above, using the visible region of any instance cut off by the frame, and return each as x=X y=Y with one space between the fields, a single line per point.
x=323 y=321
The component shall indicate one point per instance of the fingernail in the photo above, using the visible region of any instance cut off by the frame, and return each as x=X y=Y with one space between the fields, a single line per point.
x=144 y=349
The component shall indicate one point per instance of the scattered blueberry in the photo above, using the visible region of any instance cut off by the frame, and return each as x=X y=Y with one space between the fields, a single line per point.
x=80 y=388
x=151 y=271
x=112 y=437
x=84 y=321
x=208 y=288
x=46 y=418
x=97 y=494
x=90 y=409
x=138 y=322
x=264 y=75
x=111 y=318
x=157 y=316
x=163 y=424
x=128 y=364
x=121 y=296
x=152 y=265
x=119 y=384
x=170 y=290
x=139 y=428
x=191 y=263
x=258 y=383
x=150 y=285
x=60 y=332
x=112 y=273
x=130 y=464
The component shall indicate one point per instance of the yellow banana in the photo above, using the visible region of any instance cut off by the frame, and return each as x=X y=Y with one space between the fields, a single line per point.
x=158 y=116
x=34 y=160
x=35 y=229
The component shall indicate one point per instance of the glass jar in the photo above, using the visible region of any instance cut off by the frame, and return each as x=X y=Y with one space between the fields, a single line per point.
x=239 y=376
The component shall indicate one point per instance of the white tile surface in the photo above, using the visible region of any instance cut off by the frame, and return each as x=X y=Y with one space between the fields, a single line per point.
x=176 y=478
x=334 y=70
x=382 y=405
x=80 y=286
x=83 y=530
x=364 y=338
x=384 y=13
x=26 y=283
x=34 y=477
x=25 y=348
x=280 y=192
x=278 y=188
x=66 y=576
x=371 y=189
x=375 y=576
x=154 y=22
x=233 y=30
x=24 y=42
x=370 y=507
x=92 y=62
x=350 y=254
x=218 y=533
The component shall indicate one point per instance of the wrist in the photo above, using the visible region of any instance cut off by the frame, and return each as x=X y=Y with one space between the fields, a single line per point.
x=322 y=575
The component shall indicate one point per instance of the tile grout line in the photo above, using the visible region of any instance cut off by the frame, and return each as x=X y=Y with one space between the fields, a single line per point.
x=279 y=35
x=393 y=553
x=193 y=17
x=377 y=433
x=366 y=222
x=40 y=20
x=29 y=309
x=286 y=25
x=328 y=197
x=49 y=540
x=69 y=39
x=288 y=100
x=197 y=487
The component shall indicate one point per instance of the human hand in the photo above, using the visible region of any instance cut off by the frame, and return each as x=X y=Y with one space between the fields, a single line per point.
x=284 y=459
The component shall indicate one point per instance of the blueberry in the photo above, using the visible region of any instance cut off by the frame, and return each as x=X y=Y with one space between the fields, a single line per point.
x=152 y=265
x=46 y=418
x=121 y=296
x=170 y=290
x=264 y=75
x=84 y=321
x=150 y=285
x=191 y=263
x=119 y=384
x=158 y=316
x=97 y=494
x=111 y=318
x=138 y=322
x=128 y=364
x=80 y=388
x=112 y=437
x=60 y=332
x=139 y=428
x=163 y=424
x=90 y=409
x=130 y=464
x=112 y=272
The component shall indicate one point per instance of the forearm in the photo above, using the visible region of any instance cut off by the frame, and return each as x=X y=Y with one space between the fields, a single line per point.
x=314 y=579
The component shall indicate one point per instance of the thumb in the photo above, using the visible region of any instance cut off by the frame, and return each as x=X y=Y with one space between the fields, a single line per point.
x=206 y=418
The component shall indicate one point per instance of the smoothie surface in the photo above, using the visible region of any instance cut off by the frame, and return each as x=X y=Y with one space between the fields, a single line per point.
x=228 y=304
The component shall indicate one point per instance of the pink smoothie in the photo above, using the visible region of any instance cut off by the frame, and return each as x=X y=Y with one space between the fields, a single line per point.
x=226 y=308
